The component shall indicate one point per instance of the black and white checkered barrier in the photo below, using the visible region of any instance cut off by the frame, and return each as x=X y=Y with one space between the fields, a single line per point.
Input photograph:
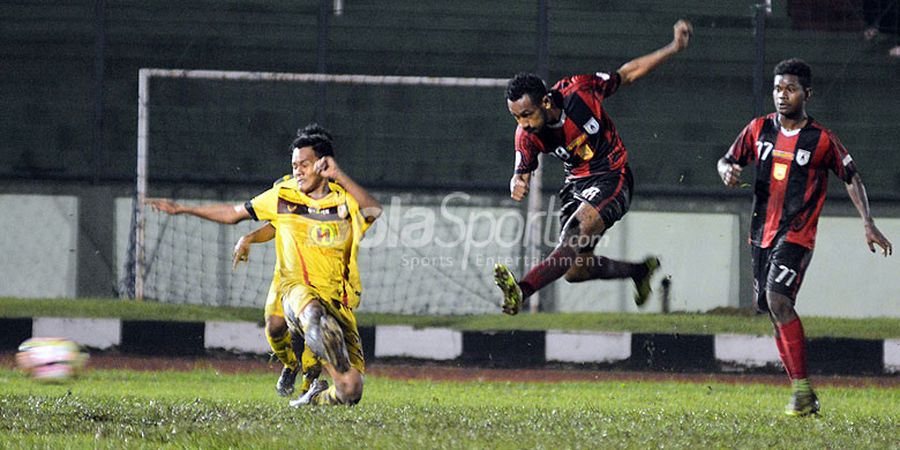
x=532 y=349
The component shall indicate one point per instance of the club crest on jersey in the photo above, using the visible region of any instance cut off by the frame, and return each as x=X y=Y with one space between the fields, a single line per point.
x=802 y=157
x=342 y=211
x=779 y=171
x=592 y=126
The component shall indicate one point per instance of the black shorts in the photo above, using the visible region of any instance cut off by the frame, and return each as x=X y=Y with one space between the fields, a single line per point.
x=779 y=268
x=609 y=194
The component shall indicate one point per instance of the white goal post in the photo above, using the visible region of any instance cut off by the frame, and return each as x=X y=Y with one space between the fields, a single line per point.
x=143 y=133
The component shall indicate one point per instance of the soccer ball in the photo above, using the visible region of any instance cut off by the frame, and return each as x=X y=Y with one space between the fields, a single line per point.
x=50 y=359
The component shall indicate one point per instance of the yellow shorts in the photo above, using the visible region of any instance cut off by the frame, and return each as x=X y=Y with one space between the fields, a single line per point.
x=297 y=297
x=273 y=306
x=308 y=359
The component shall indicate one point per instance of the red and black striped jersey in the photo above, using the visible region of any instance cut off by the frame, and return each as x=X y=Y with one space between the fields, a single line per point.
x=791 y=177
x=585 y=139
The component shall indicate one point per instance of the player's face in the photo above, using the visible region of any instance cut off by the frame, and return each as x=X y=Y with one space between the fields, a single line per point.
x=529 y=115
x=303 y=161
x=789 y=96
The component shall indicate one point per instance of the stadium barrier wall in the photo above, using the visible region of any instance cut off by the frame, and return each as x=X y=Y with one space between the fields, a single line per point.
x=518 y=349
x=39 y=243
x=700 y=251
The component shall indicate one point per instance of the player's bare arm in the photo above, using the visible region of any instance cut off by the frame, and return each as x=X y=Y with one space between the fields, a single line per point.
x=241 y=250
x=221 y=212
x=328 y=168
x=519 y=185
x=729 y=172
x=857 y=191
x=641 y=66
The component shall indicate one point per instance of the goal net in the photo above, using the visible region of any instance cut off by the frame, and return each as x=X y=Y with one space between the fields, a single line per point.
x=431 y=149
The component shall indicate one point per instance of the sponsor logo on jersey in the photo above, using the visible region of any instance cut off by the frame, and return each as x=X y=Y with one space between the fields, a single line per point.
x=324 y=233
x=779 y=171
x=581 y=148
x=783 y=154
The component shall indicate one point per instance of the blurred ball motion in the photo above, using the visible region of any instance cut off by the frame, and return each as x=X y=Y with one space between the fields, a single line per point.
x=50 y=359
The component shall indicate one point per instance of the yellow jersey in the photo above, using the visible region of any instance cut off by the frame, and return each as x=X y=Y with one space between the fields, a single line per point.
x=316 y=240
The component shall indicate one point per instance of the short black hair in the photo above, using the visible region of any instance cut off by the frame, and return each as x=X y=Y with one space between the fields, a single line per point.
x=526 y=83
x=314 y=128
x=317 y=137
x=798 y=67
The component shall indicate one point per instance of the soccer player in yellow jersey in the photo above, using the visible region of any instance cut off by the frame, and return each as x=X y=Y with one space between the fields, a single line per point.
x=318 y=226
x=279 y=338
x=277 y=335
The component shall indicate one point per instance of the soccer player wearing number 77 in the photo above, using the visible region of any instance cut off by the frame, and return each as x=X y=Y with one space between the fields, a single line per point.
x=792 y=153
x=318 y=225
x=569 y=122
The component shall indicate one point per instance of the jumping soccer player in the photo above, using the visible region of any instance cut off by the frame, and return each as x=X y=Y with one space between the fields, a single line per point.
x=318 y=226
x=569 y=122
x=793 y=154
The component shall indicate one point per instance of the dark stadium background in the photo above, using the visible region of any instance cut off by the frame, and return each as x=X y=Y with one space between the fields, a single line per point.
x=69 y=89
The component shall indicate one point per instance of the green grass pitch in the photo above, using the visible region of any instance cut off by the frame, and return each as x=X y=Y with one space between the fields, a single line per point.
x=207 y=409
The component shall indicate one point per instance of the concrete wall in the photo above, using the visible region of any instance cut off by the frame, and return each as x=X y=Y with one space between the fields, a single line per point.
x=38 y=245
x=404 y=271
x=699 y=251
x=845 y=279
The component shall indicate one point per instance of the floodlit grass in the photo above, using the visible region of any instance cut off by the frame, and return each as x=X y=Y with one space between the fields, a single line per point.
x=684 y=323
x=205 y=409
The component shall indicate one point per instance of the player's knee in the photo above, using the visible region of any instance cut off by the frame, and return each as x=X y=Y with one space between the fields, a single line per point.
x=311 y=314
x=780 y=306
x=350 y=388
x=571 y=233
x=276 y=326
x=309 y=320
x=576 y=274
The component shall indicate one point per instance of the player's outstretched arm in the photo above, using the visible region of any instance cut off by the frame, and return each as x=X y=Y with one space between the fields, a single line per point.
x=241 y=251
x=220 y=212
x=729 y=172
x=857 y=191
x=641 y=66
x=519 y=185
x=370 y=208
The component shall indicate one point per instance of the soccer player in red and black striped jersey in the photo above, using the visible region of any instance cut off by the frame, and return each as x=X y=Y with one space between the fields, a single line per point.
x=792 y=154
x=569 y=122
